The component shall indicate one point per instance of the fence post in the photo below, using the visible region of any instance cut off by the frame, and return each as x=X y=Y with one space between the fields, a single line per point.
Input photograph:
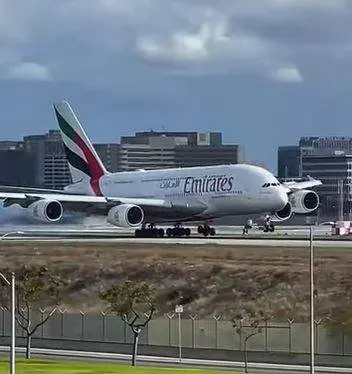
x=103 y=314
x=62 y=312
x=216 y=320
x=193 y=318
x=124 y=332
x=42 y=311
x=170 y=317
x=290 y=322
x=82 y=323
x=3 y=321
x=343 y=340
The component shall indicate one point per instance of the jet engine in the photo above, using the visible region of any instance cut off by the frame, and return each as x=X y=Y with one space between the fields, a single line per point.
x=126 y=215
x=304 y=201
x=46 y=210
x=283 y=214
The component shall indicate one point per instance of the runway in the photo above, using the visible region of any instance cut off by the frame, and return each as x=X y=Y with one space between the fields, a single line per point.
x=284 y=236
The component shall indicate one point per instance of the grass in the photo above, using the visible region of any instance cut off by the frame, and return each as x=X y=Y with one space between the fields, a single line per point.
x=68 y=367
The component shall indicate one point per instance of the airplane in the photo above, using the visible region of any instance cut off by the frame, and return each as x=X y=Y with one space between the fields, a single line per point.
x=143 y=199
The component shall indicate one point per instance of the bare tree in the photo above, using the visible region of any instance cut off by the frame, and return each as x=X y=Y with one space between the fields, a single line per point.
x=135 y=303
x=34 y=286
x=248 y=327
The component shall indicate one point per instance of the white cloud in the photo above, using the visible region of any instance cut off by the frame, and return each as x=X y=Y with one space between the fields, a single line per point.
x=212 y=43
x=28 y=71
x=287 y=74
x=180 y=46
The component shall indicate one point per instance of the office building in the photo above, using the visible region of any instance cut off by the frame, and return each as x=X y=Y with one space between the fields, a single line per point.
x=48 y=167
x=156 y=150
x=327 y=159
x=51 y=168
x=109 y=154
x=9 y=145
x=289 y=162
x=16 y=168
x=335 y=172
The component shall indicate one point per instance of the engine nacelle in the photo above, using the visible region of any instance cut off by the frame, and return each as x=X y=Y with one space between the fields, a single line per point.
x=304 y=201
x=46 y=210
x=126 y=215
x=283 y=214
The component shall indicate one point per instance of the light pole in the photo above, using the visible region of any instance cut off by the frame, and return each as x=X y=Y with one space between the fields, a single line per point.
x=311 y=273
x=11 y=232
x=179 y=311
x=13 y=331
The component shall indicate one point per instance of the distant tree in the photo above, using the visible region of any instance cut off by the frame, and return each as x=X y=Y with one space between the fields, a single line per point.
x=246 y=327
x=36 y=286
x=135 y=303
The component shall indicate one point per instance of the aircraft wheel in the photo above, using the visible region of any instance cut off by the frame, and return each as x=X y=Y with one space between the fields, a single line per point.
x=212 y=231
x=188 y=231
x=177 y=232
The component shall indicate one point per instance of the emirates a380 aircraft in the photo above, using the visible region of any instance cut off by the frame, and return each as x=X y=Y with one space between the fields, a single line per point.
x=143 y=199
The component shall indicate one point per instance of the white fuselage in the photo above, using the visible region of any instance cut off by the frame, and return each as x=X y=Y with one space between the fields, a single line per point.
x=223 y=190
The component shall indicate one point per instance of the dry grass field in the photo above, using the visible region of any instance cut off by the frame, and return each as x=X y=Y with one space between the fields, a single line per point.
x=212 y=279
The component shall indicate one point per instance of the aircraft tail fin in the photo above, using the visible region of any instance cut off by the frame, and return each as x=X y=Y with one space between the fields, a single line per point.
x=83 y=160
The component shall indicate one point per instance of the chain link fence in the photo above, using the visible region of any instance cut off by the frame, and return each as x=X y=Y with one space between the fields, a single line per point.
x=214 y=333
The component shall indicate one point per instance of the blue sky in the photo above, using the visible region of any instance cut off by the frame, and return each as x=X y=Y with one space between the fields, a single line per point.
x=262 y=72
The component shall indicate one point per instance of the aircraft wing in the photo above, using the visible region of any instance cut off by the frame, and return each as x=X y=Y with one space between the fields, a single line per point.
x=82 y=203
x=29 y=190
x=295 y=186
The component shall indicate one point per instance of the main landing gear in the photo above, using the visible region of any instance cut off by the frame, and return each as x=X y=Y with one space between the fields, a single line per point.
x=149 y=232
x=178 y=231
x=206 y=230
x=152 y=232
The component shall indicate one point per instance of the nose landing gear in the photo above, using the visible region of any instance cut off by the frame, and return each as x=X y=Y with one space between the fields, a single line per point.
x=268 y=225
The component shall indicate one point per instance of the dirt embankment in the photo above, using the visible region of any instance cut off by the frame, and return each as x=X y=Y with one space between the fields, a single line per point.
x=211 y=279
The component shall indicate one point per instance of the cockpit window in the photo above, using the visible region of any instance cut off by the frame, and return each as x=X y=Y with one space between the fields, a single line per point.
x=270 y=184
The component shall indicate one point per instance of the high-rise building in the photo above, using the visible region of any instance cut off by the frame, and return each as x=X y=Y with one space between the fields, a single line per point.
x=289 y=161
x=109 y=154
x=156 y=150
x=16 y=168
x=328 y=159
x=332 y=170
x=51 y=168
x=144 y=150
